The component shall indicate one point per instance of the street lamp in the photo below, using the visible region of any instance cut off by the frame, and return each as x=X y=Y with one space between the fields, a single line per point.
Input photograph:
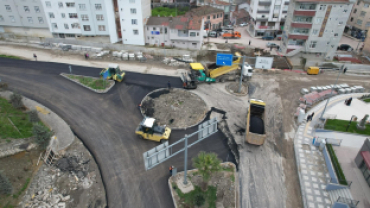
x=354 y=119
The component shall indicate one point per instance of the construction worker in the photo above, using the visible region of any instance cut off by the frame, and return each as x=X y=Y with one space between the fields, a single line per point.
x=34 y=56
x=139 y=106
x=171 y=168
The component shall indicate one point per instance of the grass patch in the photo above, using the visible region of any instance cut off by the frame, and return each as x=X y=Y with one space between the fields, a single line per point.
x=10 y=57
x=366 y=100
x=232 y=177
x=188 y=198
x=19 y=119
x=166 y=11
x=229 y=169
x=341 y=125
x=94 y=83
x=338 y=169
x=15 y=196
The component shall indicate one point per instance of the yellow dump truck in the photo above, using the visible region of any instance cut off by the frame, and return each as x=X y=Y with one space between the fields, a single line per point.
x=255 y=132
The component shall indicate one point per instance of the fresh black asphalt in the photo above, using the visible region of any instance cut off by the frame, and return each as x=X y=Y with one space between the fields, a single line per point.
x=106 y=124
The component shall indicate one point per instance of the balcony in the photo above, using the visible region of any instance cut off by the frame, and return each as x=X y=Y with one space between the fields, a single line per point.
x=266 y=27
x=301 y=25
x=286 y=3
x=284 y=12
x=298 y=37
x=264 y=3
x=265 y=11
x=262 y=19
x=305 y=13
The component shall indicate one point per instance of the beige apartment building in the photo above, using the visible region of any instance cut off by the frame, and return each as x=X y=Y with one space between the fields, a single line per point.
x=359 y=18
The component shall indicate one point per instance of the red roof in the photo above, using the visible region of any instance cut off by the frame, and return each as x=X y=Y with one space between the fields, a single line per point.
x=366 y=156
x=179 y=27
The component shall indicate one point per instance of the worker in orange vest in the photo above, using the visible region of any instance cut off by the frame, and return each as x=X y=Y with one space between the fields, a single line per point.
x=171 y=168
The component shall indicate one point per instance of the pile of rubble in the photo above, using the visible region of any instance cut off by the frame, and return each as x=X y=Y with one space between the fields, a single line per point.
x=177 y=61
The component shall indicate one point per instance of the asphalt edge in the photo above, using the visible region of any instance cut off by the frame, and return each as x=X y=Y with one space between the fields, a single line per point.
x=97 y=91
x=175 y=128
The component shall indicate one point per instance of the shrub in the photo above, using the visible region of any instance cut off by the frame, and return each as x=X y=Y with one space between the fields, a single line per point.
x=33 y=116
x=16 y=100
x=199 y=199
x=42 y=135
x=3 y=86
x=6 y=186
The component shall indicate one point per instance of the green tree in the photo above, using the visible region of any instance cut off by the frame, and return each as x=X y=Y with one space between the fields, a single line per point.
x=6 y=186
x=33 y=116
x=207 y=164
x=42 y=135
x=16 y=100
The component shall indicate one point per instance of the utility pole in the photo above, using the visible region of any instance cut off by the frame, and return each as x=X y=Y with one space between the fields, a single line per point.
x=241 y=75
x=331 y=92
x=70 y=69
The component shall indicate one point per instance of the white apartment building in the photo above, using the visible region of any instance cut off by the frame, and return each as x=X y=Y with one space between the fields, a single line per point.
x=315 y=26
x=23 y=18
x=133 y=17
x=267 y=17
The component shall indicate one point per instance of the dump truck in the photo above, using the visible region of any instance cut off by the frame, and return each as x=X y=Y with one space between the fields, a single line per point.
x=149 y=129
x=113 y=72
x=229 y=35
x=255 y=132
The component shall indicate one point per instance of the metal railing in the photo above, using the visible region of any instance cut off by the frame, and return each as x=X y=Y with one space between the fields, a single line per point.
x=350 y=202
x=349 y=183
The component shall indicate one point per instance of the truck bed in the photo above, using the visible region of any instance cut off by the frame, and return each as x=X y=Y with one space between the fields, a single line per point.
x=256 y=125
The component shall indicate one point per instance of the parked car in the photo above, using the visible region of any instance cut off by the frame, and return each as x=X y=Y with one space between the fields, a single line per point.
x=244 y=24
x=278 y=37
x=268 y=37
x=273 y=45
x=228 y=27
x=212 y=34
x=345 y=47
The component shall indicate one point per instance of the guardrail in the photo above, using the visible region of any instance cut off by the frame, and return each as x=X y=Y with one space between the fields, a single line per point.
x=350 y=202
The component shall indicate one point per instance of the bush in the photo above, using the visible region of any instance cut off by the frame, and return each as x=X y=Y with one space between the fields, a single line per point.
x=199 y=199
x=42 y=135
x=3 y=86
x=16 y=100
x=33 y=116
x=6 y=186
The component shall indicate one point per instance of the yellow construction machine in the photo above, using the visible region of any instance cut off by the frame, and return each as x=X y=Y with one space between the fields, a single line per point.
x=149 y=129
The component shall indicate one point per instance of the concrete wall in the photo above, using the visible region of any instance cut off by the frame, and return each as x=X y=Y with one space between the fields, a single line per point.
x=365 y=147
x=331 y=170
x=30 y=32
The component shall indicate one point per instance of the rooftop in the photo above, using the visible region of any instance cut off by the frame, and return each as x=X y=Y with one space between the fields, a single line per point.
x=180 y=23
x=203 y=10
x=327 y=1
x=240 y=13
x=217 y=2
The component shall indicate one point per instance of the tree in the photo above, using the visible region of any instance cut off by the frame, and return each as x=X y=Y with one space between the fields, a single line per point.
x=33 y=116
x=6 y=186
x=42 y=135
x=16 y=100
x=207 y=164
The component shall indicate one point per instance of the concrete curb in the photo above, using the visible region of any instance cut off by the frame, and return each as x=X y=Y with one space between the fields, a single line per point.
x=193 y=170
x=175 y=128
x=237 y=94
x=94 y=90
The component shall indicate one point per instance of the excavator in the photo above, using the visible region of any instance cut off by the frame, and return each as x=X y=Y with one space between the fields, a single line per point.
x=209 y=73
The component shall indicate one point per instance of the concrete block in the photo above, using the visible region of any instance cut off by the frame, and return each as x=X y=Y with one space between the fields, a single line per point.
x=85 y=48
x=74 y=47
x=348 y=90
x=304 y=91
x=341 y=91
x=78 y=47
x=313 y=89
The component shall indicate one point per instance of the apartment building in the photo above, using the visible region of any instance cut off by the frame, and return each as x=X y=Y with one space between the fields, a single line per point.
x=315 y=26
x=267 y=17
x=179 y=32
x=359 y=19
x=213 y=17
x=227 y=6
x=23 y=18
x=133 y=15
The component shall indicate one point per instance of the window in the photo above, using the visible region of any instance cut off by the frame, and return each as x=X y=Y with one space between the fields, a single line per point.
x=66 y=26
x=366 y=5
x=1 y=18
x=208 y=17
x=87 y=28
x=154 y=28
x=165 y=30
x=359 y=22
x=367 y=24
x=286 y=8
x=99 y=17
x=314 y=32
x=303 y=19
x=12 y=18
x=335 y=34
x=345 y=10
x=70 y=4
x=26 y=9
x=136 y=32
x=60 y=4
x=307 y=6
x=70 y=35
x=217 y=15
x=300 y=30
x=75 y=25
x=132 y=1
x=214 y=16
x=354 y=11
x=194 y=44
x=221 y=15
x=313 y=44
x=51 y=15
x=37 y=9
x=318 y=19
x=82 y=6
x=277 y=7
x=133 y=11
x=63 y=15
x=8 y=8
x=358 y=2
x=134 y=21
x=48 y=4
x=340 y=23
x=322 y=7
x=275 y=15
x=101 y=27
x=41 y=20
x=98 y=7
x=362 y=14
x=351 y=19
x=84 y=17
x=193 y=34
x=73 y=15
x=30 y=20
x=54 y=25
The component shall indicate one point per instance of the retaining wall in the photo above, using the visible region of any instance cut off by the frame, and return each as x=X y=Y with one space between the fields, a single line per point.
x=330 y=167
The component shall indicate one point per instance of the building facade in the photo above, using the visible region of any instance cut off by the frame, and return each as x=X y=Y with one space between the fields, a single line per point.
x=359 y=19
x=227 y=6
x=23 y=18
x=315 y=26
x=179 y=32
x=213 y=17
x=267 y=17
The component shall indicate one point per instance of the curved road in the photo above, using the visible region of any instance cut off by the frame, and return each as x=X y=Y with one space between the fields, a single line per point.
x=106 y=124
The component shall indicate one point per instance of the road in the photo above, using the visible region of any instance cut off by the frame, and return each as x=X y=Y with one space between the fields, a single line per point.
x=106 y=124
